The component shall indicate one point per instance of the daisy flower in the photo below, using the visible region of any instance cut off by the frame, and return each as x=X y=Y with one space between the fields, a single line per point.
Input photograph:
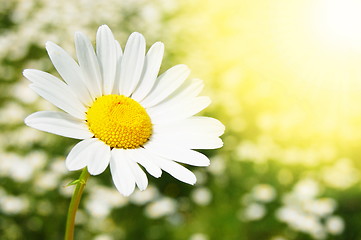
x=126 y=115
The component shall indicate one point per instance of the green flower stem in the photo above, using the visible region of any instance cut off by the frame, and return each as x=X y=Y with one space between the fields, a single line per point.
x=74 y=203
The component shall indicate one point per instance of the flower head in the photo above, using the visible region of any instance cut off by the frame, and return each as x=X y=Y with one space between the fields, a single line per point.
x=125 y=115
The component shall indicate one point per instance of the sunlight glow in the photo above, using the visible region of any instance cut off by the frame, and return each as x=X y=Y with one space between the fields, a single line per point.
x=339 y=22
x=295 y=62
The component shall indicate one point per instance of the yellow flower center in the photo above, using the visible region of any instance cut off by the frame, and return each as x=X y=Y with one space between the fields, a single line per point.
x=119 y=121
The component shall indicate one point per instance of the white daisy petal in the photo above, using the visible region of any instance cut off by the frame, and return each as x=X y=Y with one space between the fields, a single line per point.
x=55 y=91
x=107 y=57
x=139 y=176
x=55 y=98
x=180 y=111
x=45 y=79
x=118 y=49
x=88 y=64
x=59 y=123
x=121 y=173
x=178 y=171
x=152 y=64
x=185 y=94
x=192 y=125
x=132 y=64
x=191 y=133
x=141 y=156
x=119 y=55
x=80 y=155
x=99 y=159
x=193 y=88
x=189 y=90
x=70 y=71
x=166 y=84
x=189 y=141
x=176 y=153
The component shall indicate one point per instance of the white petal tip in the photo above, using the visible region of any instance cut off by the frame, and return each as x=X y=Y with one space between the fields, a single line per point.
x=104 y=26
x=69 y=166
x=48 y=44
x=218 y=144
x=78 y=35
x=183 y=67
x=27 y=120
x=126 y=194
x=159 y=45
x=137 y=36
x=158 y=175
x=207 y=100
x=26 y=72
x=191 y=180
x=30 y=73
x=96 y=171
x=52 y=48
x=92 y=172
x=198 y=81
x=223 y=128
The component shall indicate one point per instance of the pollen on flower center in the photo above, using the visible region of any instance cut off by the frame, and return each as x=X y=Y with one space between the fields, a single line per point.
x=119 y=121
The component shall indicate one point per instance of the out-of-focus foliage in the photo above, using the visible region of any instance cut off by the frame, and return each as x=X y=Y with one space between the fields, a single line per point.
x=284 y=79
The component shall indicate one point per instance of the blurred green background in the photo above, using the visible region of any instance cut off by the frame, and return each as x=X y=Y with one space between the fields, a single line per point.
x=285 y=79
